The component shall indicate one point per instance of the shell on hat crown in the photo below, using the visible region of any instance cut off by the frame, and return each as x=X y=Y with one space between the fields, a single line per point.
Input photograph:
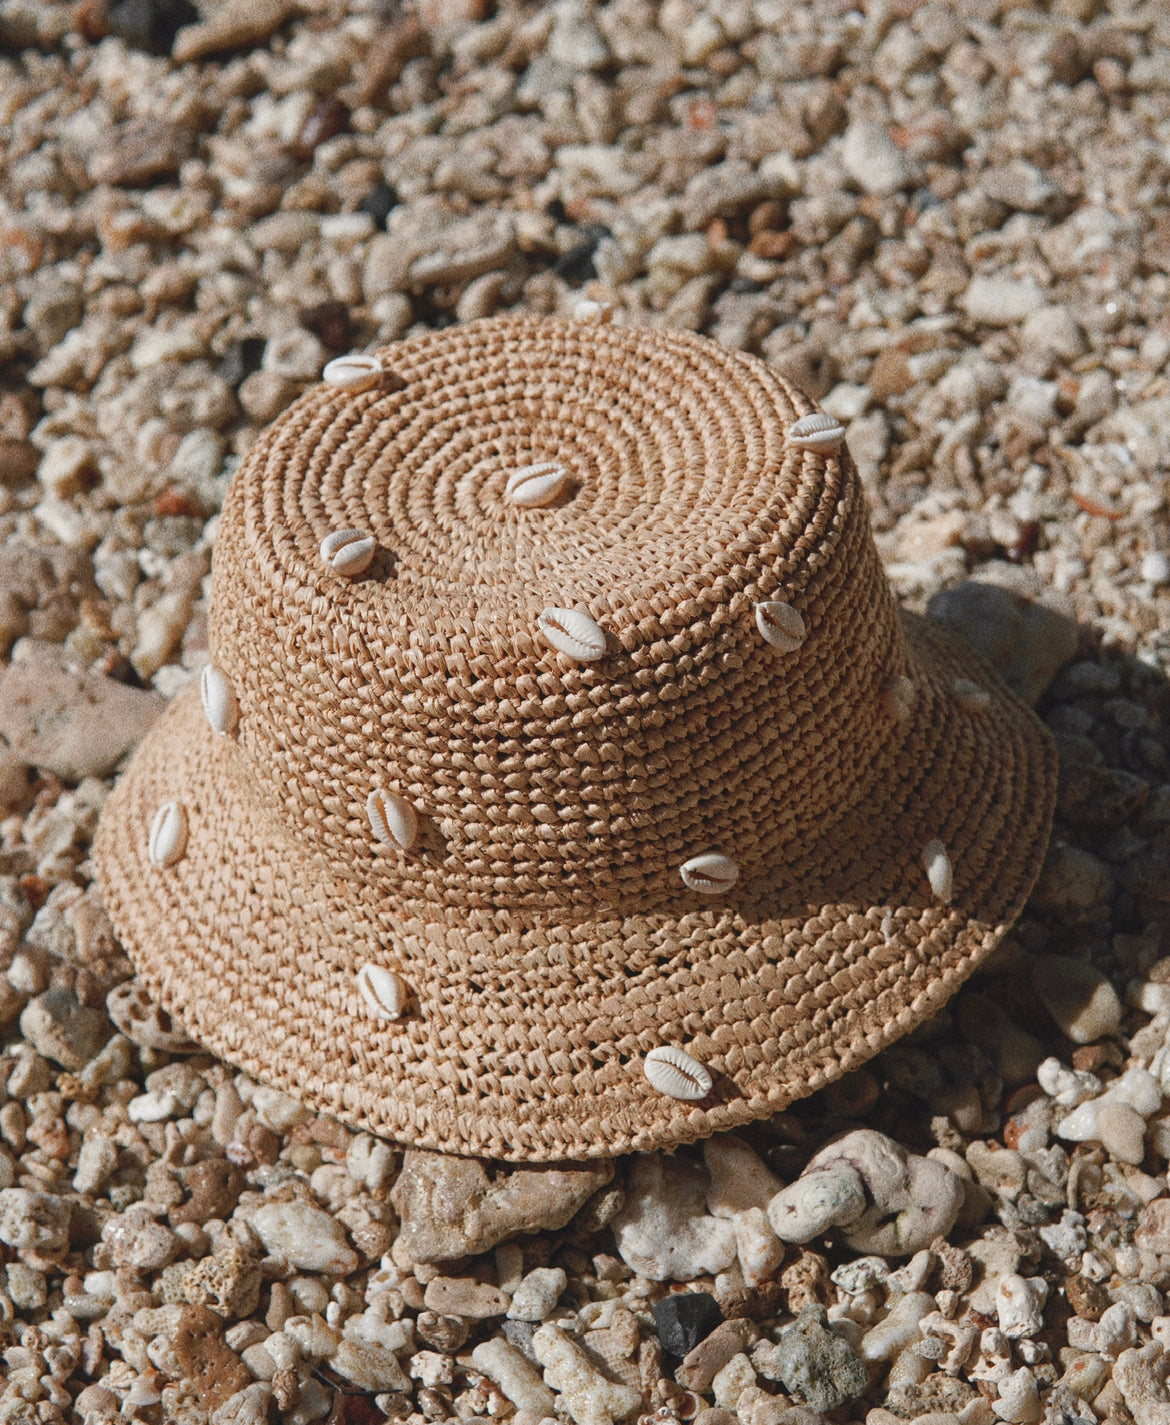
x=353 y=373
x=392 y=818
x=168 y=834
x=820 y=433
x=571 y=770
x=382 y=990
x=218 y=698
x=348 y=551
x=534 y=485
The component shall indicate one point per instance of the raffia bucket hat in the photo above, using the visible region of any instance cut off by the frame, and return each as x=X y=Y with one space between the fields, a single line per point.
x=565 y=780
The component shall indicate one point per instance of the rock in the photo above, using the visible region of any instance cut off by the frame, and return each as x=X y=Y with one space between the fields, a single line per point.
x=537 y=1294
x=740 y=1179
x=684 y=1318
x=464 y=1296
x=817 y=1366
x=1094 y=796
x=205 y=1358
x=138 y=1242
x=1015 y=1054
x=662 y=1230
x=228 y=1281
x=873 y=160
x=907 y=1201
x=214 y=1186
x=369 y=1366
x=63 y=1030
x=150 y=24
x=897 y=1330
x=35 y=1220
x=142 y=152
x=1019 y=1304
x=703 y=1362
x=516 y=1376
x=1153 y=1229
x=1072 y=881
x=1116 y=1118
x=1079 y=998
x=1018 y=184
x=1140 y=1374
x=246 y=1407
x=1026 y=643
x=236 y=26
x=737 y=1376
x=1019 y=1398
x=759 y=1250
x=1001 y=301
x=815 y=1202
x=587 y=1396
x=96 y=1161
x=451 y=1207
x=144 y=1022
x=305 y=1237
x=75 y=725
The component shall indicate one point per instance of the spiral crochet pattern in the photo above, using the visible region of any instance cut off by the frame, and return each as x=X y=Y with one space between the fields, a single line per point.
x=512 y=795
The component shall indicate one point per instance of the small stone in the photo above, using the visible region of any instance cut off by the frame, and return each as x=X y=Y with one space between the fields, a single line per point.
x=1025 y=643
x=873 y=160
x=138 y=1242
x=537 y=1294
x=817 y=1366
x=662 y=1230
x=75 y=725
x=34 y=1220
x=1079 y=998
x=246 y=1407
x=740 y=1179
x=1153 y=1229
x=587 y=1396
x=1072 y=880
x=1019 y=1398
x=1001 y=301
x=205 y=1359
x=305 y=1237
x=1155 y=567
x=463 y=1296
x=228 y=1281
x=730 y=1382
x=214 y=1186
x=450 y=1207
x=1140 y=1374
x=142 y=152
x=1019 y=1304
x=63 y=1030
x=684 y=1318
x=516 y=1376
x=703 y=1362
x=242 y=24
x=817 y=1201
x=369 y=1366
x=899 y=1329
x=143 y=1021
x=96 y=1161
x=150 y=25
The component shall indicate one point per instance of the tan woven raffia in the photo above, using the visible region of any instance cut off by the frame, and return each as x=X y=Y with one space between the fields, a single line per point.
x=539 y=924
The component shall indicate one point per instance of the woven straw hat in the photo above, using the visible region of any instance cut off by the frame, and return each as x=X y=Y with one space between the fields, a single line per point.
x=559 y=814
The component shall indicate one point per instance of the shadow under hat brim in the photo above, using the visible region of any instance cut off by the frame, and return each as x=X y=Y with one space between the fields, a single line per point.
x=524 y=1040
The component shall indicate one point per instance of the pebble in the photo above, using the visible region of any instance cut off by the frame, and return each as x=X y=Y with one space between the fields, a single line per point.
x=704 y=1361
x=305 y=1237
x=1002 y=301
x=63 y=1030
x=684 y=1318
x=897 y=1330
x=732 y=1380
x=1072 y=880
x=463 y=1296
x=368 y=1366
x=244 y=23
x=817 y=1201
x=873 y=160
x=144 y=1022
x=246 y=1407
x=662 y=1231
x=1079 y=998
x=450 y=1207
x=1019 y=1304
x=537 y=1294
x=516 y=1376
x=1019 y=1398
x=585 y=1394
x=75 y=725
x=817 y=1366
x=740 y=1179
x=35 y=1220
x=1025 y=642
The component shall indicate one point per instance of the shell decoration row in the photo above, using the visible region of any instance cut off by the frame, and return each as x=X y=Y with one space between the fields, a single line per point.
x=348 y=553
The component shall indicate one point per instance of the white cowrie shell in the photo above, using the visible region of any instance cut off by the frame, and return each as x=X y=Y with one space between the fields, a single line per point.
x=900 y=694
x=710 y=874
x=382 y=990
x=676 y=1073
x=971 y=695
x=219 y=699
x=354 y=373
x=780 y=624
x=536 y=485
x=939 y=871
x=348 y=552
x=572 y=633
x=392 y=819
x=168 y=834
x=819 y=432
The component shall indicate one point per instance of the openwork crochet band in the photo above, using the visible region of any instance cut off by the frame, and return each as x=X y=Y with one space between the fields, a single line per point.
x=565 y=780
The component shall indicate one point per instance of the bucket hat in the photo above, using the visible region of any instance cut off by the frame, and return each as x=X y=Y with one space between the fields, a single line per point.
x=565 y=780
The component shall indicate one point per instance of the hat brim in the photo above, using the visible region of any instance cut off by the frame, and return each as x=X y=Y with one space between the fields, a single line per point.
x=525 y=1040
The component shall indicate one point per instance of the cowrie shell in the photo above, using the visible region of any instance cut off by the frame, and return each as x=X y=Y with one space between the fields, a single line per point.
x=971 y=695
x=900 y=695
x=676 y=1073
x=781 y=625
x=354 y=373
x=939 y=871
x=392 y=819
x=710 y=874
x=168 y=834
x=382 y=990
x=218 y=698
x=536 y=485
x=348 y=552
x=819 y=432
x=573 y=634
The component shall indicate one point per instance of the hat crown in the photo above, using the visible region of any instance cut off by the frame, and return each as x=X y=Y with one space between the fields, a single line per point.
x=540 y=781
